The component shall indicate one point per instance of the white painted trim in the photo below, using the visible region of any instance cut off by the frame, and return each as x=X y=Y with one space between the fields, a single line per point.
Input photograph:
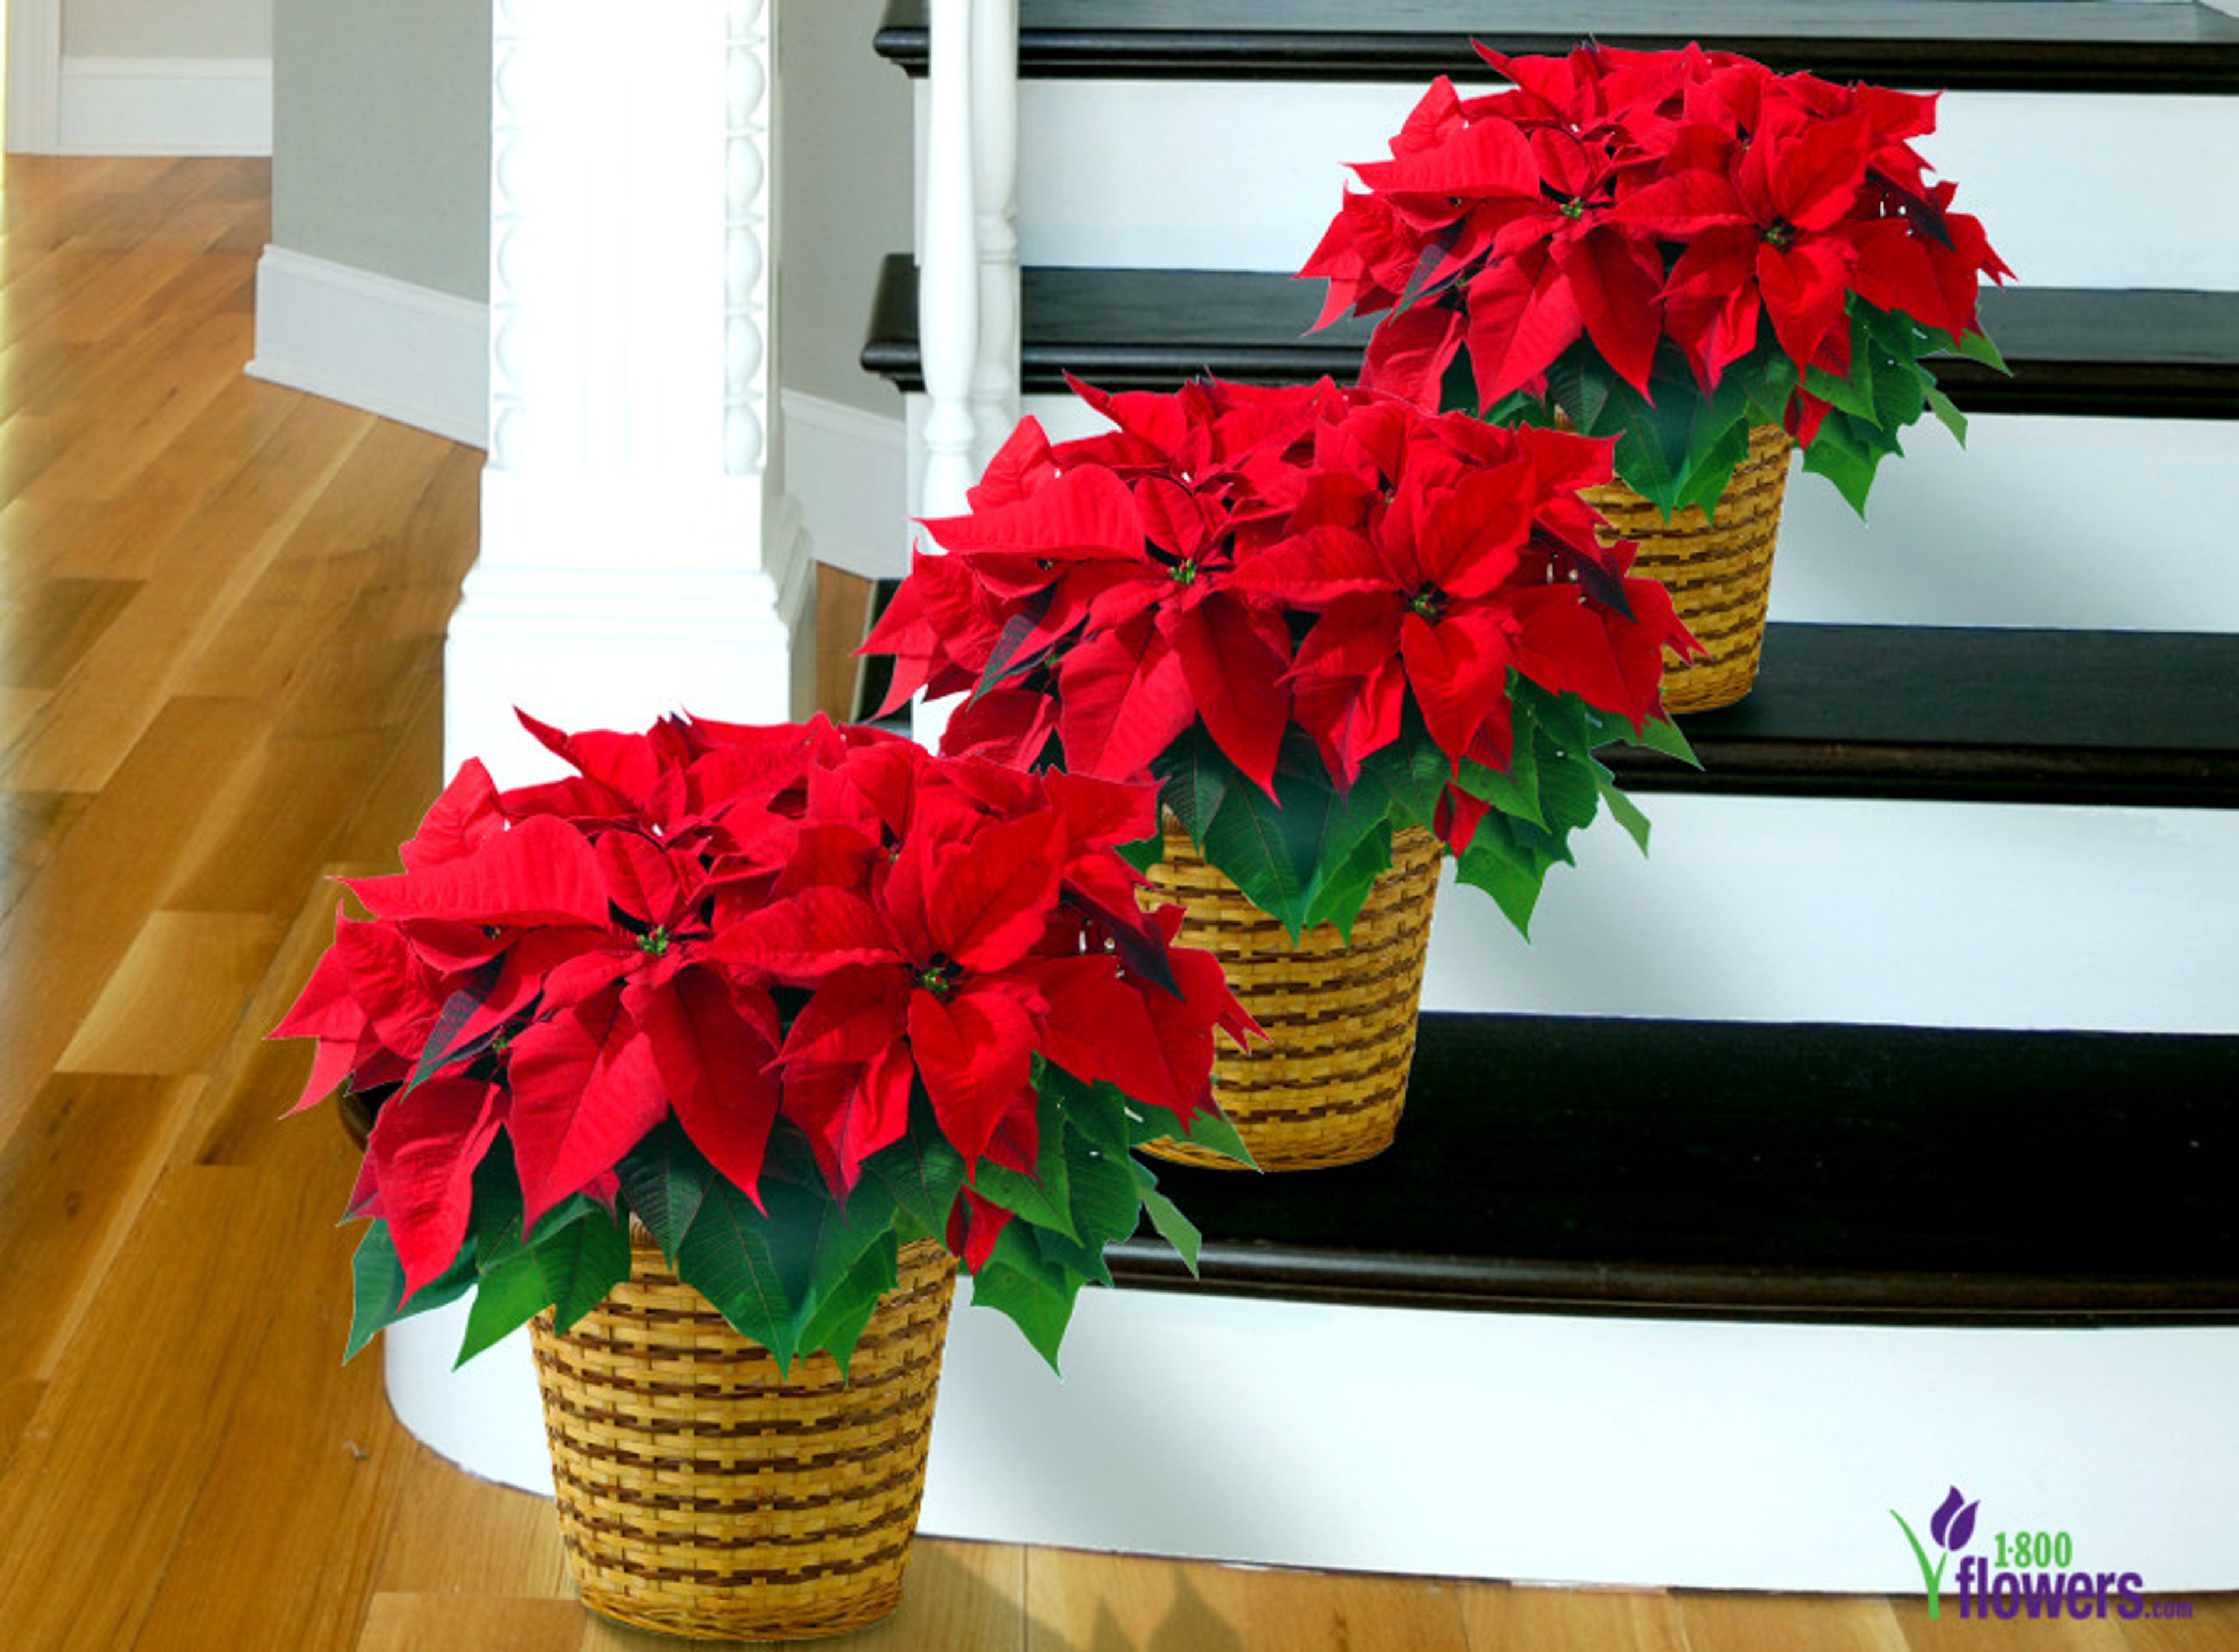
x=404 y=351
x=847 y=468
x=35 y=57
x=165 y=106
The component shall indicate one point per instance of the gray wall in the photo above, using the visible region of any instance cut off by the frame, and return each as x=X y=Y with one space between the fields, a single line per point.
x=848 y=133
x=167 y=28
x=381 y=161
x=380 y=137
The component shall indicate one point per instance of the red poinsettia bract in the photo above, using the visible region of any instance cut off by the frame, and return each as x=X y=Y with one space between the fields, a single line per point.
x=1261 y=560
x=739 y=928
x=1628 y=198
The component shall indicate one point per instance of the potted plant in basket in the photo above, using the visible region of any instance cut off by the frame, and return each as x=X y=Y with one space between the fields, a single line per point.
x=1340 y=631
x=715 y=1058
x=1690 y=254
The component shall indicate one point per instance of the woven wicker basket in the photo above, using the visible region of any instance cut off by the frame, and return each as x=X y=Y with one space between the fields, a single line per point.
x=701 y=1493
x=1718 y=574
x=1328 y=1089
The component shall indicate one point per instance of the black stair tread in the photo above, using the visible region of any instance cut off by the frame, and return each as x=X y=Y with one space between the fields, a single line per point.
x=2141 y=353
x=2132 y=718
x=1825 y=1172
x=2024 y=45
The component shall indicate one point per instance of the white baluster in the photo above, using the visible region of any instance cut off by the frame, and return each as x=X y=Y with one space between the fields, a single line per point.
x=995 y=175
x=948 y=284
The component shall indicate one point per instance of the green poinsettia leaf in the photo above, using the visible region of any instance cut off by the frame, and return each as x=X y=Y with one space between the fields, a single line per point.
x=1035 y=1294
x=1570 y=792
x=1174 y=1227
x=1836 y=455
x=1211 y=1130
x=1504 y=868
x=1343 y=891
x=666 y=1180
x=1099 y=1115
x=1194 y=777
x=1662 y=734
x=1145 y=853
x=1046 y=1197
x=1847 y=394
x=1593 y=401
x=1948 y=414
x=1900 y=393
x=1717 y=443
x=1626 y=813
x=494 y=1221
x=505 y=1298
x=1258 y=847
x=378 y=1287
x=1412 y=772
x=1298 y=856
x=580 y=1263
x=848 y=1302
x=1516 y=792
x=1651 y=452
x=922 y=1174
x=748 y=1269
x=1978 y=347
x=1107 y=1204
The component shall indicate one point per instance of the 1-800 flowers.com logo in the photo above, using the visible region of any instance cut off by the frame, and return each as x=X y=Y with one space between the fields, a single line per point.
x=2022 y=1573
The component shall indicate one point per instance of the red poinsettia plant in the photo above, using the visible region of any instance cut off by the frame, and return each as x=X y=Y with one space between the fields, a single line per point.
x=788 y=996
x=1312 y=615
x=1667 y=247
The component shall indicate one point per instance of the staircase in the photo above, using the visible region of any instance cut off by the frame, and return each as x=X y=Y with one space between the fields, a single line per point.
x=1922 y=1016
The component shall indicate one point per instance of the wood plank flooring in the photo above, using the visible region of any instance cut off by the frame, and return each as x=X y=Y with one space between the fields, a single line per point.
x=220 y=616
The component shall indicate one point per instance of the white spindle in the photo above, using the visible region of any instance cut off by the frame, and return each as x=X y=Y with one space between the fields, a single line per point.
x=949 y=284
x=948 y=263
x=995 y=181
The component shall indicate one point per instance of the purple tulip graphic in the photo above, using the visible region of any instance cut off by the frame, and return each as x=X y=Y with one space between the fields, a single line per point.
x=1949 y=1528
x=1952 y=1525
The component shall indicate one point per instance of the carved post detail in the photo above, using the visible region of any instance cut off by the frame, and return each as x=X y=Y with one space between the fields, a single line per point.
x=639 y=554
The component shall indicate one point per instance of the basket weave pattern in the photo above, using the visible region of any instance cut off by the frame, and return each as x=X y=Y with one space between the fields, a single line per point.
x=1329 y=1087
x=1718 y=574
x=701 y=1493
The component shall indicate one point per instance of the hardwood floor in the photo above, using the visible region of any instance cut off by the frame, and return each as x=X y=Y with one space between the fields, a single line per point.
x=220 y=617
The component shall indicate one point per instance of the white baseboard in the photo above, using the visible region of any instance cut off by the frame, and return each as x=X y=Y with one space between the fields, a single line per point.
x=847 y=467
x=165 y=106
x=422 y=357
x=406 y=352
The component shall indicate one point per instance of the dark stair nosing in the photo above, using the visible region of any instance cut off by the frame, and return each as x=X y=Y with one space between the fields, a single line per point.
x=1820 y=1172
x=2152 y=353
x=2003 y=45
x=2135 y=719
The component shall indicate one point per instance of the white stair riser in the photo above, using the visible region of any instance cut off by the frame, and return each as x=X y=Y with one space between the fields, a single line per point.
x=1586 y=1450
x=1902 y=913
x=2085 y=191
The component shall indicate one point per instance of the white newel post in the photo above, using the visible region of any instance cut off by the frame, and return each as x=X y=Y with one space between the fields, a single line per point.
x=639 y=554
